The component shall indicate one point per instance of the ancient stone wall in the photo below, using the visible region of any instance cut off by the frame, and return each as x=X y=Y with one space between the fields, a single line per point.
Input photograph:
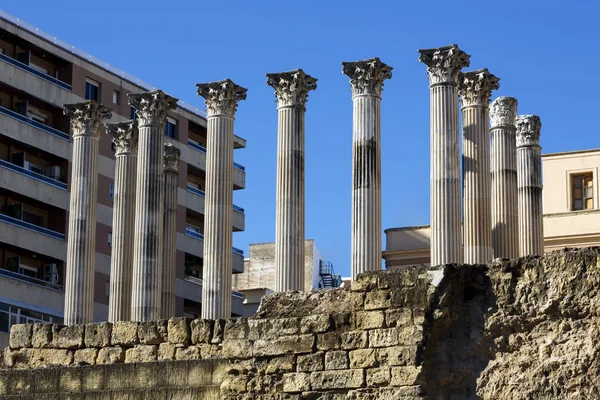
x=520 y=329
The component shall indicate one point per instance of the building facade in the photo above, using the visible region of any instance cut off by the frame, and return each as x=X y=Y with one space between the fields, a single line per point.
x=38 y=75
x=570 y=203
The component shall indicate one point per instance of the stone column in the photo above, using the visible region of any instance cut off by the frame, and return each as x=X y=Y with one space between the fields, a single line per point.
x=172 y=155
x=221 y=100
x=152 y=108
x=475 y=89
x=443 y=67
x=86 y=124
x=529 y=177
x=505 y=215
x=366 y=81
x=125 y=141
x=291 y=91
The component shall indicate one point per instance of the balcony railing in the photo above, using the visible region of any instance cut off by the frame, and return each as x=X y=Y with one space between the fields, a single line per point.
x=39 y=125
x=194 y=234
x=238 y=251
x=29 y=279
x=201 y=193
x=34 y=175
x=196 y=146
x=238 y=208
x=238 y=166
x=34 y=71
x=33 y=227
x=200 y=282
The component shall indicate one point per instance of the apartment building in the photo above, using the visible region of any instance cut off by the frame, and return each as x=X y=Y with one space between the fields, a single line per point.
x=571 y=210
x=38 y=74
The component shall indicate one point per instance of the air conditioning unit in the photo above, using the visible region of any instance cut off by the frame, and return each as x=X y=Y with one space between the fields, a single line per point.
x=51 y=273
x=32 y=167
x=52 y=172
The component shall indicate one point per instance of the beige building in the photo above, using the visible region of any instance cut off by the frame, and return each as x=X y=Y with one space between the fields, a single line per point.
x=38 y=75
x=258 y=278
x=571 y=210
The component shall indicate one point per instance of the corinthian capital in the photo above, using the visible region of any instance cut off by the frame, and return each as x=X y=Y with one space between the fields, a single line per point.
x=152 y=107
x=291 y=88
x=444 y=63
x=124 y=136
x=367 y=76
x=528 y=130
x=86 y=117
x=172 y=155
x=475 y=87
x=503 y=112
x=221 y=97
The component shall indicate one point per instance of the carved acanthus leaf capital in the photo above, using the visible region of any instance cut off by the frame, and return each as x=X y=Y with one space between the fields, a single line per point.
x=503 y=112
x=291 y=88
x=475 y=87
x=528 y=130
x=124 y=136
x=367 y=76
x=87 y=117
x=171 y=155
x=221 y=97
x=444 y=63
x=152 y=108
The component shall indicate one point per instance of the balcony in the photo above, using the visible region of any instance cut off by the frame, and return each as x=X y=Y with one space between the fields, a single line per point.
x=33 y=71
x=192 y=290
x=192 y=203
x=36 y=124
x=28 y=279
x=36 y=239
x=239 y=171
x=32 y=227
x=189 y=244
x=34 y=175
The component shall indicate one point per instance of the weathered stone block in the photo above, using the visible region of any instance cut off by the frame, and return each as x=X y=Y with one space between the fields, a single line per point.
x=363 y=358
x=357 y=301
x=311 y=362
x=41 y=336
x=141 y=353
x=111 y=355
x=188 y=353
x=398 y=317
x=370 y=319
x=364 y=282
x=98 y=334
x=336 y=359
x=148 y=333
x=284 y=345
x=201 y=330
x=39 y=358
x=296 y=382
x=409 y=335
x=209 y=351
x=218 y=330
x=237 y=348
x=341 y=379
x=328 y=341
x=179 y=331
x=265 y=384
x=20 y=336
x=236 y=329
x=279 y=365
x=16 y=358
x=234 y=385
x=354 y=340
x=273 y=328
x=315 y=323
x=166 y=351
x=404 y=376
x=378 y=377
x=125 y=333
x=383 y=337
x=396 y=393
x=397 y=355
x=85 y=356
x=377 y=300
x=67 y=337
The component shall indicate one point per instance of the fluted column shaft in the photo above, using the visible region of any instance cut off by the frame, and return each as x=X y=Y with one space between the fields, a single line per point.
x=505 y=216
x=125 y=138
x=86 y=122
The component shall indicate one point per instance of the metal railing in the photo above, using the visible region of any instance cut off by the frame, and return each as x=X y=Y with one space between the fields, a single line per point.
x=238 y=208
x=34 y=175
x=34 y=71
x=239 y=166
x=196 y=146
x=33 y=227
x=200 y=282
x=195 y=190
x=194 y=234
x=238 y=251
x=36 y=124
x=29 y=279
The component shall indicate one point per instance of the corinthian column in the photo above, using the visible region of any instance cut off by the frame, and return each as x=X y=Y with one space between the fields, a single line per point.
x=152 y=108
x=221 y=99
x=505 y=216
x=86 y=124
x=366 y=81
x=475 y=89
x=125 y=140
x=172 y=155
x=529 y=177
x=291 y=91
x=443 y=67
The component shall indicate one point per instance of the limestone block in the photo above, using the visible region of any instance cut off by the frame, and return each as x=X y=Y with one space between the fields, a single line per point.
x=39 y=358
x=337 y=395
x=209 y=351
x=410 y=335
x=341 y=321
x=41 y=336
x=328 y=341
x=237 y=348
x=378 y=376
x=284 y=345
x=179 y=331
x=369 y=319
x=364 y=282
x=397 y=355
x=418 y=315
x=315 y=323
x=20 y=336
x=141 y=353
x=218 y=328
x=236 y=329
x=363 y=358
x=396 y=393
x=97 y=334
x=162 y=328
x=377 y=300
x=357 y=301
x=404 y=376
x=340 y=379
x=383 y=337
x=273 y=328
x=201 y=330
x=233 y=385
x=398 y=317
x=85 y=356
x=311 y=362
x=279 y=365
x=166 y=351
x=67 y=337
x=264 y=384
x=337 y=359
x=354 y=340
x=188 y=353
x=150 y=332
x=125 y=333
x=111 y=355
x=296 y=382
x=16 y=358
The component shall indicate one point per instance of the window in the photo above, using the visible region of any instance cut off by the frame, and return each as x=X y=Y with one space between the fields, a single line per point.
x=92 y=90
x=170 y=129
x=110 y=239
x=133 y=113
x=111 y=191
x=582 y=191
x=11 y=315
x=116 y=96
x=27 y=271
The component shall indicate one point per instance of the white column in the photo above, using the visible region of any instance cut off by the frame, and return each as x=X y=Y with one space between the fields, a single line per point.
x=475 y=89
x=169 y=275
x=152 y=108
x=291 y=91
x=443 y=67
x=529 y=177
x=221 y=100
x=125 y=141
x=366 y=82
x=505 y=215
x=86 y=124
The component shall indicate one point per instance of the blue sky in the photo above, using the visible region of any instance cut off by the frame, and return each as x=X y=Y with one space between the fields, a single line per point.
x=545 y=52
